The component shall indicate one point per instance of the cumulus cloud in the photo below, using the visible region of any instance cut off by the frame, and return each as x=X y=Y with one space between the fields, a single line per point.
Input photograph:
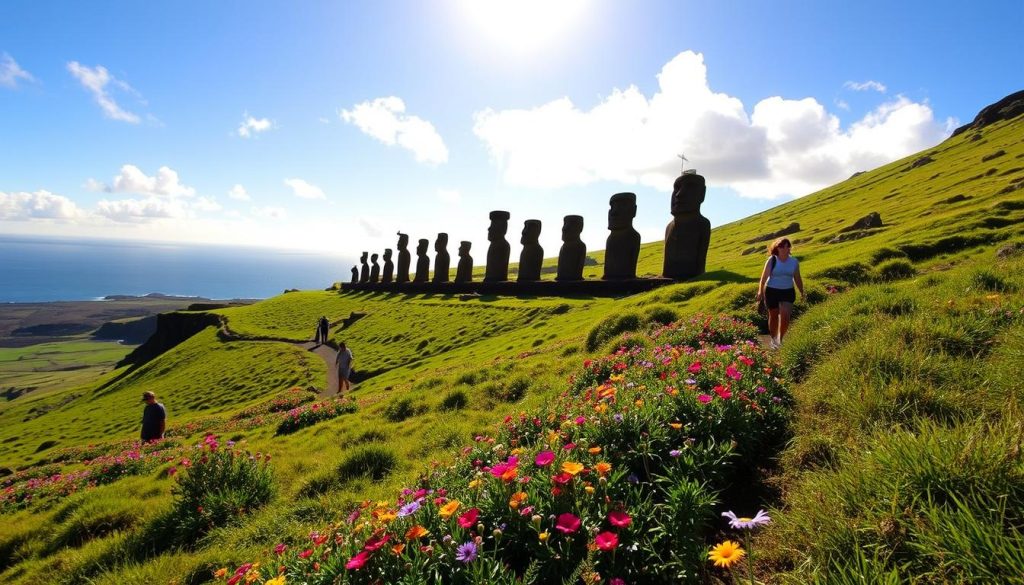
x=142 y=210
x=98 y=81
x=784 y=147
x=131 y=179
x=269 y=212
x=38 y=205
x=304 y=190
x=250 y=126
x=10 y=72
x=238 y=193
x=207 y=204
x=869 y=85
x=385 y=119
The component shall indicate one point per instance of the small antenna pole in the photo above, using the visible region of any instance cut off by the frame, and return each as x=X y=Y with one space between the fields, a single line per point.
x=682 y=161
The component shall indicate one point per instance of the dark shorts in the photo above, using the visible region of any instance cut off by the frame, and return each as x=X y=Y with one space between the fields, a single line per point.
x=774 y=296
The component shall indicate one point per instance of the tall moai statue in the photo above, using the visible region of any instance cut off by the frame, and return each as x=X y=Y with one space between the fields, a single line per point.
x=364 y=275
x=623 y=247
x=689 y=233
x=355 y=275
x=498 y=251
x=464 y=273
x=389 y=267
x=374 y=269
x=532 y=255
x=422 y=262
x=442 y=261
x=573 y=252
x=403 y=258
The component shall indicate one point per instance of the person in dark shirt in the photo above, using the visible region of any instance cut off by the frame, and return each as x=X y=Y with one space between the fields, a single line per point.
x=154 y=418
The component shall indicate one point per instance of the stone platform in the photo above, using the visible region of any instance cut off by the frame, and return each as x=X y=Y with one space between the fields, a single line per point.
x=540 y=288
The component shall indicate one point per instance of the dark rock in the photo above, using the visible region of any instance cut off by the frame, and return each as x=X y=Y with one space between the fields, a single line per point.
x=789 y=229
x=1009 y=107
x=857 y=174
x=871 y=220
x=956 y=199
x=132 y=331
x=921 y=162
x=992 y=156
x=1010 y=250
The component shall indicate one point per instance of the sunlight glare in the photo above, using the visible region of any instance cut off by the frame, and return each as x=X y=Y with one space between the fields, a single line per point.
x=523 y=27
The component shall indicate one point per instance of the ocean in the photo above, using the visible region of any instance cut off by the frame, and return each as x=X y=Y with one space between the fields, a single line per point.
x=62 y=269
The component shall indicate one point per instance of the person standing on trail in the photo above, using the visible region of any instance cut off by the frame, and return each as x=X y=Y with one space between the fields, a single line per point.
x=323 y=328
x=344 y=363
x=154 y=418
x=781 y=272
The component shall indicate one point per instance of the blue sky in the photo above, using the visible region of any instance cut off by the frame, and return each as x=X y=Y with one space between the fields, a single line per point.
x=332 y=125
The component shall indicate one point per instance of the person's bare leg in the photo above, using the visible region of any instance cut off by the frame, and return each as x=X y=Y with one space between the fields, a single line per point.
x=785 y=312
x=773 y=323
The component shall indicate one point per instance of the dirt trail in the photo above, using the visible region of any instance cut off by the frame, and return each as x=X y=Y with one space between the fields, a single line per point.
x=328 y=354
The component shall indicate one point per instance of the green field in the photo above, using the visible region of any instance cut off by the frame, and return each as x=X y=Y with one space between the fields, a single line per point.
x=902 y=460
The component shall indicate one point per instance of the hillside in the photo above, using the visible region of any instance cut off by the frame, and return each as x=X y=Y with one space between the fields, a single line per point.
x=899 y=426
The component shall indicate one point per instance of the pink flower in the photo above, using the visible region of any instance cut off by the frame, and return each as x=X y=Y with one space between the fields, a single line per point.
x=279 y=549
x=733 y=373
x=306 y=553
x=562 y=478
x=569 y=446
x=619 y=519
x=723 y=392
x=376 y=542
x=358 y=561
x=606 y=541
x=544 y=458
x=617 y=581
x=704 y=398
x=567 y=523
x=694 y=367
x=468 y=519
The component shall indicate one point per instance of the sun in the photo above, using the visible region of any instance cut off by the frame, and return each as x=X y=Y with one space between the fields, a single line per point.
x=523 y=27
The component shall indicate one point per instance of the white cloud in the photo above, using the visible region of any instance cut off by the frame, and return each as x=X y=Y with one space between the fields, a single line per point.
x=842 y=105
x=44 y=205
x=371 y=227
x=269 y=212
x=206 y=204
x=142 y=210
x=131 y=179
x=868 y=85
x=10 y=72
x=786 y=147
x=96 y=81
x=304 y=190
x=385 y=119
x=449 y=195
x=251 y=126
x=238 y=193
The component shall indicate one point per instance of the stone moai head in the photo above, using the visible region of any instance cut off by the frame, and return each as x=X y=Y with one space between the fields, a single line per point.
x=387 y=253
x=499 y=226
x=622 y=211
x=363 y=257
x=373 y=258
x=464 y=247
x=688 y=193
x=421 y=247
x=572 y=227
x=403 y=241
x=531 y=231
x=442 y=242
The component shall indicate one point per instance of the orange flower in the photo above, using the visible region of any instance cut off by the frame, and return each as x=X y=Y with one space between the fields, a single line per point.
x=398 y=548
x=509 y=474
x=516 y=500
x=448 y=509
x=416 y=532
x=572 y=468
x=601 y=408
x=594 y=450
x=220 y=573
x=676 y=426
x=603 y=468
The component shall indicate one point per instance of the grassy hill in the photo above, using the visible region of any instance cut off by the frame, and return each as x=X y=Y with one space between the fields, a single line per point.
x=902 y=461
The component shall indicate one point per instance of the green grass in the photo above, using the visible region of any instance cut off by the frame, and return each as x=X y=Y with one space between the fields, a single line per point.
x=904 y=464
x=48 y=367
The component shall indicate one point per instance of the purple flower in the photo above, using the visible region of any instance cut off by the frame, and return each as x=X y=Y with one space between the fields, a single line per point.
x=617 y=418
x=408 y=509
x=675 y=452
x=760 y=519
x=633 y=478
x=466 y=552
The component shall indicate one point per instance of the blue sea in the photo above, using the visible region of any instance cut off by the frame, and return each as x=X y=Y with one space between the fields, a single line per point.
x=63 y=269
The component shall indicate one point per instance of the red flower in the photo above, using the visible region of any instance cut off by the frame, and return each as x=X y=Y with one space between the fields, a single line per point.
x=694 y=367
x=562 y=478
x=358 y=561
x=619 y=519
x=306 y=553
x=567 y=523
x=468 y=519
x=376 y=542
x=723 y=392
x=606 y=541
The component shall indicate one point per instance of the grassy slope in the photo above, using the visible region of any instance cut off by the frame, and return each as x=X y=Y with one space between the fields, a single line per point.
x=48 y=367
x=475 y=348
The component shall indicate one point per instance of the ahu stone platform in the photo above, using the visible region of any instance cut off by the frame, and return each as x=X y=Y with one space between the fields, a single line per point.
x=544 y=288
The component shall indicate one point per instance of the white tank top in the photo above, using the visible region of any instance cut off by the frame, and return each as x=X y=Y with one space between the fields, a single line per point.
x=782 y=276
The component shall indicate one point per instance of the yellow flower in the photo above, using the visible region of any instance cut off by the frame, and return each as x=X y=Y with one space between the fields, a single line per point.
x=553 y=437
x=517 y=500
x=220 y=573
x=543 y=536
x=474 y=484
x=383 y=504
x=516 y=451
x=448 y=509
x=386 y=516
x=416 y=532
x=589 y=489
x=726 y=554
x=594 y=450
x=572 y=468
x=601 y=408
x=603 y=468
x=639 y=403
x=676 y=426
x=616 y=378
x=279 y=580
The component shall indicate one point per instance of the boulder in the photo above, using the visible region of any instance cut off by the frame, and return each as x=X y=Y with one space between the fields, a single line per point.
x=1010 y=106
x=871 y=220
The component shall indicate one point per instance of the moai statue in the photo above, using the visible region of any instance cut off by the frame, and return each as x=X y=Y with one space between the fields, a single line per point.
x=497 y=253
x=375 y=269
x=689 y=233
x=355 y=275
x=422 y=262
x=364 y=275
x=465 y=271
x=623 y=247
x=389 y=267
x=532 y=255
x=403 y=258
x=442 y=260
x=573 y=252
